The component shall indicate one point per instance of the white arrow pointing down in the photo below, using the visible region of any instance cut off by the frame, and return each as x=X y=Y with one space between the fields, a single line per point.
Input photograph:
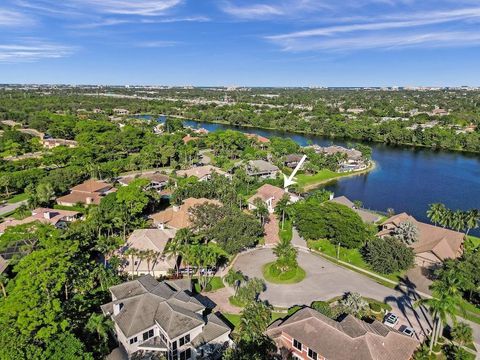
x=287 y=181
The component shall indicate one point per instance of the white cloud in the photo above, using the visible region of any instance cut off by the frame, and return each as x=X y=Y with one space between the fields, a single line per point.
x=252 y=11
x=32 y=50
x=14 y=18
x=157 y=44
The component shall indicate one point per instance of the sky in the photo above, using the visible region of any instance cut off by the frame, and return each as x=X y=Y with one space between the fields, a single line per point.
x=241 y=42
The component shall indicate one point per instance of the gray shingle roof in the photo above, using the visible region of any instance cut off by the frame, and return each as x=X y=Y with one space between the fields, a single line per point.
x=214 y=329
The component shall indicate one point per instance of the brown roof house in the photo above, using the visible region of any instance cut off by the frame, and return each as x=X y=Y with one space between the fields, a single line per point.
x=57 y=218
x=88 y=192
x=178 y=217
x=51 y=143
x=270 y=195
x=154 y=241
x=307 y=334
x=262 y=169
x=367 y=216
x=292 y=160
x=434 y=244
x=158 y=181
x=164 y=318
x=202 y=173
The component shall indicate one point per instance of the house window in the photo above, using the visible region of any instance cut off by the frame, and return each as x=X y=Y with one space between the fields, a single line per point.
x=312 y=354
x=133 y=340
x=297 y=344
x=147 y=334
x=186 y=355
x=184 y=340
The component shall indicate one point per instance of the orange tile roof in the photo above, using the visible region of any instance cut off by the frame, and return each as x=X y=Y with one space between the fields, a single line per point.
x=268 y=191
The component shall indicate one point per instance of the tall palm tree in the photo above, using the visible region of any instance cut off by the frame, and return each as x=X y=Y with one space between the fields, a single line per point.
x=173 y=250
x=100 y=325
x=131 y=252
x=281 y=207
x=436 y=213
x=457 y=220
x=260 y=210
x=471 y=220
x=442 y=306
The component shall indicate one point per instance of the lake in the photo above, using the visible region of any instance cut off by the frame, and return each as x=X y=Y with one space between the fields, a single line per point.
x=405 y=179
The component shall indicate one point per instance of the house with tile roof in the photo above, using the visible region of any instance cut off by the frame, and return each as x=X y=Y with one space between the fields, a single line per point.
x=262 y=169
x=158 y=181
x=202 y=173
x=58 y=218
x=86 y=193
x=270 y=195
x=153 y=241
x=367 y=216
x=152 y=317
x=434 y=244
x=309 y=335
x=178 y=217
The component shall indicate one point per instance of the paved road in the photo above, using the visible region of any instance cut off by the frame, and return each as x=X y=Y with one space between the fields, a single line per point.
x=5 y=209
x=325 y=280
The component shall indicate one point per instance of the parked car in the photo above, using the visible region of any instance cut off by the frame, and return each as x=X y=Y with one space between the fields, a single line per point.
x=390 y=320
x=408 y=331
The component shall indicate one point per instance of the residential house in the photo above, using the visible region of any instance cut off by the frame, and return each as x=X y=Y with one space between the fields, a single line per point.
x=309 y=335
x=86 y=193
x=367 y=216
x=152 y=317
x=262 y=169
x=51 y=143
x=178 y=217
x=57 y=218
x=354 y=160
x=187 y=138
x=121 y=111
x=292 y=160
x=270 y=195
x=263 y=141
x=154 y=241
x=202 y=173
x=434 y=244
x=158 y=181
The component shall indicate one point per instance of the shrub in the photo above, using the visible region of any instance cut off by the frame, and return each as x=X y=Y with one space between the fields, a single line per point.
x=388 y=255
x=331 y=221
x=462 y=333
x=324 y=308
x=294 y=309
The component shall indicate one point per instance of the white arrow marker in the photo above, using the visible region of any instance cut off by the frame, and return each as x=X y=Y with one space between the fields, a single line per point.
x=287 y=181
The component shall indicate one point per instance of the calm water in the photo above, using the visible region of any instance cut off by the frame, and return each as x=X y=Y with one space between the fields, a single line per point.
x=405 y=179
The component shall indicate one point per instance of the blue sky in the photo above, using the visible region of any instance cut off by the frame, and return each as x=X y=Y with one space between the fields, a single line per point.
x=240 y=42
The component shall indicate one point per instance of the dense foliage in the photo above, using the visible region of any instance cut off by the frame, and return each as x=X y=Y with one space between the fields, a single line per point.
x=388 y=255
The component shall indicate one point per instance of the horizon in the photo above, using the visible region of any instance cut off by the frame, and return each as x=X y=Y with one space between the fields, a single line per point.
x=264 y=43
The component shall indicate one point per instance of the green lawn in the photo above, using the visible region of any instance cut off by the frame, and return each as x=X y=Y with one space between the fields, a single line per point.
x=17 y=198
x=351 y=256
x=472 y=243
x=291 y=277
x=323 y=175
x=215 y=283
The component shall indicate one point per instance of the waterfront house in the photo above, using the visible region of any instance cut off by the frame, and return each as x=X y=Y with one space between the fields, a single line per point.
x=164 y=318
x=158 y=181
x=187 y=138
x=309 y=335
x=292 y=160
x=86 y=193
x=178 y=217
x=153 y=241
x=367 y=216
x=51 y=143
x=118 y=111
x=270 y=195
x=202 y=173
x=434 y=244
x=262 y=169
x=263 y=141
x=57 y=218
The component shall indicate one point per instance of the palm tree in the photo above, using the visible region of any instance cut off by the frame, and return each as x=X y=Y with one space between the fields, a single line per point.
x=234 y=279
x=471 y=220
x=354 y=304
x=436 y=213
x=281 y=207
x=131 y=252
x=462 y=333
x=3 y=283
x=286 y=255
x=457 y=220
x=260 y=210
x=141 y=255
x=173 y=250
x=406 y=232
x=99 y=324
x=442 y=306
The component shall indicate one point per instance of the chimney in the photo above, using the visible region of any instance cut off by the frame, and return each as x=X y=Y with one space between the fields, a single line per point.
x=117 y=308
x=332 y=195
x=89 y=200
x=47 y=215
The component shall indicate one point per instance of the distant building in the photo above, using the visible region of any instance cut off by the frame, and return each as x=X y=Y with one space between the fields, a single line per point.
x=258 y=138
x=178 y=217
x=157 y=180
x=187 y=138
x=292 y=160
x=262 y=169
x=51 y=143
x=152 y=317
x=309 y=335
x=57 y=218
x=121 y=111
x=434 y=244
x=202 y=173
x=89 y=192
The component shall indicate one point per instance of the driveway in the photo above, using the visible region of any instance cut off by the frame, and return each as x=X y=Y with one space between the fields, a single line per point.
x=7 y=208
x=325 y=280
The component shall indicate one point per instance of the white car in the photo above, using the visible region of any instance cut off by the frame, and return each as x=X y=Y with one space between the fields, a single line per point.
x=408 y=331
x=390 y=320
